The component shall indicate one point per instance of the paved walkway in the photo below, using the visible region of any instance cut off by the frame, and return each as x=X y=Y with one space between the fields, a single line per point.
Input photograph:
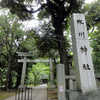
x=39 y=93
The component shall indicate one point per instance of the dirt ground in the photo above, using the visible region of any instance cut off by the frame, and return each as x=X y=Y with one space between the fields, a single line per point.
x=51 y=94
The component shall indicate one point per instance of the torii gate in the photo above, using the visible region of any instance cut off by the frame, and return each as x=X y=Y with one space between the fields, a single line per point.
x=25 y=60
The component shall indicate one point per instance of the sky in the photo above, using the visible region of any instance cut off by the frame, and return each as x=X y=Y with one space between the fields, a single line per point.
x=89 y=1
x=33 y=23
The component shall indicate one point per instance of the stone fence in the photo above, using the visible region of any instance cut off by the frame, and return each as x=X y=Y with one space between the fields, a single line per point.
x=61 y=77
x=72 y=81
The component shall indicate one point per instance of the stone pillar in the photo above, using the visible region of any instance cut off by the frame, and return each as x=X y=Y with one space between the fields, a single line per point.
x=84 y=71
x=71 y=84
x=61 y=81
x=97 y=82
x=51 y=75
x=51 y=72
x=23 y=73
x=41 y=79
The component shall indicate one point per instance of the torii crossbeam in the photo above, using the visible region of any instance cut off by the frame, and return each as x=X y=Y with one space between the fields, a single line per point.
x=25 y=61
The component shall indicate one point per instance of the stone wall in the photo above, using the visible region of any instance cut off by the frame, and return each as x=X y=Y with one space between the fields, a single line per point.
x=72 y=72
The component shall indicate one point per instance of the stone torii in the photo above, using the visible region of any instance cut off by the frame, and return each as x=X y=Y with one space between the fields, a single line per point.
x=25 y=61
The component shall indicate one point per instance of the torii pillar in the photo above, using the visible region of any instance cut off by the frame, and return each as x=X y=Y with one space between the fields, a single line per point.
x=23 y=73
x=24 y=67
x=25 y=60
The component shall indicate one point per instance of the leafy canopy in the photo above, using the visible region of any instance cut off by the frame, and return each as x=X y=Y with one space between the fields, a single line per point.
x=59 y=8
x=92 y=13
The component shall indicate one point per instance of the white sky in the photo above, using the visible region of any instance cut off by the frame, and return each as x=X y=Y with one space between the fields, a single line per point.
x=33 y=23
x=89 y=1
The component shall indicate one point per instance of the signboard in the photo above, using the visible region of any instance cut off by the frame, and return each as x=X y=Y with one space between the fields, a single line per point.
x=61 y=88
x=84 y=71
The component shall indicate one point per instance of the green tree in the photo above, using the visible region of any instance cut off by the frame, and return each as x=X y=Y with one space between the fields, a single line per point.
x=44 y=40
x=58 y=10
x=95 y=44
x=92 y=13
x=37 y=71
x=11 y=37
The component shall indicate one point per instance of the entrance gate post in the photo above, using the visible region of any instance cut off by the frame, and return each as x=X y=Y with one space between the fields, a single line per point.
x=23 y=72
x=84 y=70
x=61 y=81
x=25 y=60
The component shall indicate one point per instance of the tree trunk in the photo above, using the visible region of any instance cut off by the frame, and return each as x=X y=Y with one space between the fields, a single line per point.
x=1 y=83
x=8 y=73
x=61 y=44
x=10 y=81
x=35 y=80
x=19 y=71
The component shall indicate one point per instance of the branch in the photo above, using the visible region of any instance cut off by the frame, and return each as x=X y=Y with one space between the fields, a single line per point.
x=6 y=33
x=69 y=9
x=5 y=56
x=30 y=11
x=52 y=6
x=92 y=30
x=2 y=72
x=7 y=42
x=97 y=19
x=3 y=28
x=58 y=2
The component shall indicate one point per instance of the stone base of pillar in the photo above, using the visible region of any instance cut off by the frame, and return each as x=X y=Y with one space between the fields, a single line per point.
x=77 y=95
x=22 y=86
x=52 y=86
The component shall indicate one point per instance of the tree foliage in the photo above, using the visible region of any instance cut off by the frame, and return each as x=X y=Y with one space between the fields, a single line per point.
x=37 y=71
x=58 y=10
x=44 y=40
x=10 y=39
x=92 y=13
x=95 y=44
